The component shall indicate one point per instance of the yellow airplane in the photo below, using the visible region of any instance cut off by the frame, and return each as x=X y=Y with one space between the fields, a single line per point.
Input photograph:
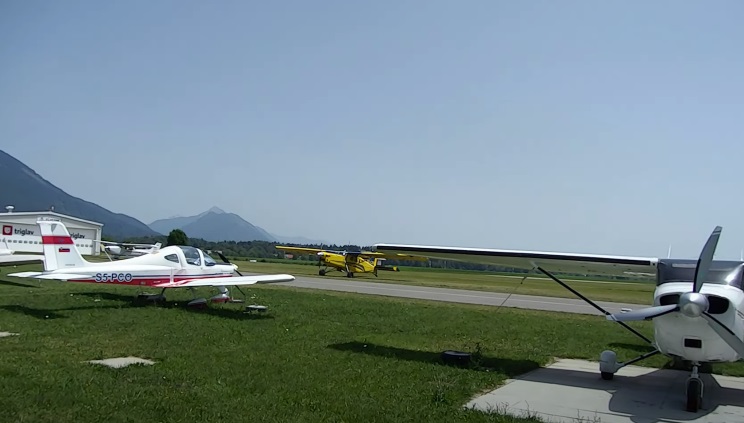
x=351 y=261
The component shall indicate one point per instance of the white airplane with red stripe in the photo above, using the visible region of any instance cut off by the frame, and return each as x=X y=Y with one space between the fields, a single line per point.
x=168 y=267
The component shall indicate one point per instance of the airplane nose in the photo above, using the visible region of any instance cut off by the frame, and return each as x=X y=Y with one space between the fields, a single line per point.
x=693 y=304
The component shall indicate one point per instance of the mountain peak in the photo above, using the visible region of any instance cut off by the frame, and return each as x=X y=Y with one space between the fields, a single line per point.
x=214 y=225
x=218 y=225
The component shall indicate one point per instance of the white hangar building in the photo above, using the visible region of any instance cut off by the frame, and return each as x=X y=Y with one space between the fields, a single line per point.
x=21 y=233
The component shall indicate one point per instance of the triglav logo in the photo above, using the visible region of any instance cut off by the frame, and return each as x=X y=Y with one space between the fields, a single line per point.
x=7 y=230
x=22 y=232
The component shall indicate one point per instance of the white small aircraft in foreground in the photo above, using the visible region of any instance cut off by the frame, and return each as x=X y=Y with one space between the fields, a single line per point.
x=9 y=257
x=697 y=312
x=169 y=267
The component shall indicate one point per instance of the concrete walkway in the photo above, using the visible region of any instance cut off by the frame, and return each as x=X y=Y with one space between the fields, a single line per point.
x=573 y=391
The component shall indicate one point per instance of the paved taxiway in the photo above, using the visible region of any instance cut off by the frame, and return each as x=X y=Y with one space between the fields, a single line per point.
x=568 y=305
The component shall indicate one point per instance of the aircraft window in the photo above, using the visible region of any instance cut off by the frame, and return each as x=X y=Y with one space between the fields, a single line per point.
x=721 y=273
x=172 y=257
x=191 y=254
x=209 y=261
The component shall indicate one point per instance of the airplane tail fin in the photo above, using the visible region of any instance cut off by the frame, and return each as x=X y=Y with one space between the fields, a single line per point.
x=60 y=251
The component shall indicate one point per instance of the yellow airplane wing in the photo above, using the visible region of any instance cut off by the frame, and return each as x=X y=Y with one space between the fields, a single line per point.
x=393 y=256
x=300 y=250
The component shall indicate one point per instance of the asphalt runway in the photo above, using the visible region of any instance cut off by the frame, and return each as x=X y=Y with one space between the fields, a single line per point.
x=568 y=305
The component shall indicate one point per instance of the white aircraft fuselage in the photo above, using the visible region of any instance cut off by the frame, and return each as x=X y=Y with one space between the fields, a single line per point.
x=692 y=338
x=169 y=264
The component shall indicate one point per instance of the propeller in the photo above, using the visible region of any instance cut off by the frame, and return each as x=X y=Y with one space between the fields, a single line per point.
x=225 y=293
x=222 y=256
x=693 y=303
x=644 y=313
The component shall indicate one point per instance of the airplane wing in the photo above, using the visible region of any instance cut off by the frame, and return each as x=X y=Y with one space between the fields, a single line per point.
x=17 y=259
x=128 y=244
x=593 y=264
x=300 y=250
x=50 y=276
x=391 y=256
x=227 y=281
x=223 y=281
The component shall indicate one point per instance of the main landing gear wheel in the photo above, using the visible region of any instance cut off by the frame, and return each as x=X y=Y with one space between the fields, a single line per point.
x=608 y=365
x=321 y=272
x=157 y=299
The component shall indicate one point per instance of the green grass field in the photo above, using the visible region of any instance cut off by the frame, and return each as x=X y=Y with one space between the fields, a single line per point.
x=315 y=356
x=626 y=292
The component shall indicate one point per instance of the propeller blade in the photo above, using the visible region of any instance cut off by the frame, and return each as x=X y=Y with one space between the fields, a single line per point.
x=706 y=258
x=222 y=256
x=725 y=333
x=644 y=313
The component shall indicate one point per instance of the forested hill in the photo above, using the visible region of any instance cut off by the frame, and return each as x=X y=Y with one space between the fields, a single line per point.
x=267 y=250
x=263 y=250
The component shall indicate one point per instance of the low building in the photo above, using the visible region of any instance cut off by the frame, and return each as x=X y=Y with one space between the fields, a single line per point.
x=21 y=233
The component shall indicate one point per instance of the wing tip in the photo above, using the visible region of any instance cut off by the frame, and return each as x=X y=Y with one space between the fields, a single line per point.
x=24 y=274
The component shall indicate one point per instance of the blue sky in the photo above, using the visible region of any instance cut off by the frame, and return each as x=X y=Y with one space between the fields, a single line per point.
x=605 y=127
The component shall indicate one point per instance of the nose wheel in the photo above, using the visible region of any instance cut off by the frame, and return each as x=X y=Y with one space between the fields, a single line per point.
x=694 y=391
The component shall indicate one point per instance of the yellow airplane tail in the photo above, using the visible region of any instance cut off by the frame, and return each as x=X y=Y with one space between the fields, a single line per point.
x=378 y=266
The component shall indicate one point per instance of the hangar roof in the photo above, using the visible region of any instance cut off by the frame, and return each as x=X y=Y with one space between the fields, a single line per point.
x=4 y=216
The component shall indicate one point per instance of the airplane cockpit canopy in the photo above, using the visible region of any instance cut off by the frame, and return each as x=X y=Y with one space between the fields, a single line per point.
x=208 y=260
x=194 y=256
x=191 y=254
x=721 y=272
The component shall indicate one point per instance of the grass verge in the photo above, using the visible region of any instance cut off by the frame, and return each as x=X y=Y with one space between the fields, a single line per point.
x=315 y=356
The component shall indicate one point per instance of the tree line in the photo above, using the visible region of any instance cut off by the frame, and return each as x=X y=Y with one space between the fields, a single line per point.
x=266 y=251
x=250 y=250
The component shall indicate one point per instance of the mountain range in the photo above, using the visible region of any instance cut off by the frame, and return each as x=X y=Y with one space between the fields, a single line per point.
x=26 y=190
x=217 y=225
